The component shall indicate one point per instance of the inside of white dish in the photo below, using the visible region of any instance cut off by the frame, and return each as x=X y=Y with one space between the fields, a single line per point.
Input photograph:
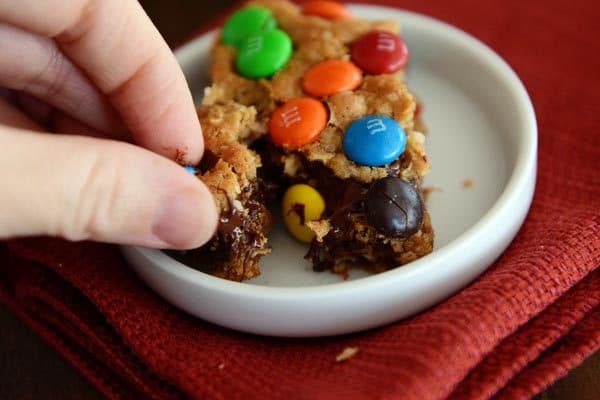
x=470 y=144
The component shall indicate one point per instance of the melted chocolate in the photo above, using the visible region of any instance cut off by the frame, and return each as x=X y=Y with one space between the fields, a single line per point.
x=230 y=222
x=298 y=209
x=238 y=236
x=342 y=197
x=273 y=182
x=346 y=203
x=350 y=200
x=209 y=160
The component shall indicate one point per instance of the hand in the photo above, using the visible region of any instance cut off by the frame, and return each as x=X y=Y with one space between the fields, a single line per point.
x=97 y=68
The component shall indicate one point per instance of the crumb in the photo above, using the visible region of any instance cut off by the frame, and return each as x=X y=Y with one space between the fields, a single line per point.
x=320 y=227
x=345 y=275
x=221 y=366
x=467 y=183
x=180 y=156
x=346 y=354
x=341 y=270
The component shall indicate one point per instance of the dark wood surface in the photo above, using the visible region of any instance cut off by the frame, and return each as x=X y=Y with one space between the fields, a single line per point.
x=30 y=369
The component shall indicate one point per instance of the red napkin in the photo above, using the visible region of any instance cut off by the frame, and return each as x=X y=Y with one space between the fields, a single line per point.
x=523 y=324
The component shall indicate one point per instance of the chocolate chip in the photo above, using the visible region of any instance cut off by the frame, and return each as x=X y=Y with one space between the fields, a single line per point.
x=394 y=207
x=298 y=209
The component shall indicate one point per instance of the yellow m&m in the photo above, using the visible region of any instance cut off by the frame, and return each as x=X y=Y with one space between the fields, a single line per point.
x=301 y=204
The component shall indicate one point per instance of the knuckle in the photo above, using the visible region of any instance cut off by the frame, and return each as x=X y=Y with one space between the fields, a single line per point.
x=77 y=22
x=56 y=74
x=50 y=80
x=162 y=104
x=158 y=102
x=95 y=204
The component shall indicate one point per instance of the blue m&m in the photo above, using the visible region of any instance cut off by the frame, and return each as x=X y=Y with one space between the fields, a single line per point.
x=191 y=170
x=374 y=141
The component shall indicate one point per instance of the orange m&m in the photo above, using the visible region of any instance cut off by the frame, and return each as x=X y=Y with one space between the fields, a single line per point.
x=297 y=122
x=326 y=9
x=330 y=77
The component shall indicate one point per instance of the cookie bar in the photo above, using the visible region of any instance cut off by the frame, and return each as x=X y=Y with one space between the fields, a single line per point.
x=310 y=105
x=229 y=169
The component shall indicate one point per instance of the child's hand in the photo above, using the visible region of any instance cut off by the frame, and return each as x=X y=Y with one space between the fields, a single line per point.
x=97 y=68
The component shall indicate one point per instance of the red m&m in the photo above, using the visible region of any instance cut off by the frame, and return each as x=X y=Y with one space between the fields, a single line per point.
x=380 y=52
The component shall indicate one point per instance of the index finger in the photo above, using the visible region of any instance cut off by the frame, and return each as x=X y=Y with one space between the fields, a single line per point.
x=117 y=46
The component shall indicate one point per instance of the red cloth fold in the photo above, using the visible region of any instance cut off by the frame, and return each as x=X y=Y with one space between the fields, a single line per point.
x=524 y=323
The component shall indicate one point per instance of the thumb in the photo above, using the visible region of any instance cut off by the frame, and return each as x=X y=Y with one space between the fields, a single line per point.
x=82 y=188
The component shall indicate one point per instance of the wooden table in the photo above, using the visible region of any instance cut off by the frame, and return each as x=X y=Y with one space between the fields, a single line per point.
x=30 y=369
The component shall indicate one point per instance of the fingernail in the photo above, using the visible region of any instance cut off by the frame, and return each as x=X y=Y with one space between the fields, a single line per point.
x=187 y=219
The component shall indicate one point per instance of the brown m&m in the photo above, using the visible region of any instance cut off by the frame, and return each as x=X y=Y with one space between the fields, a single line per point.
x=380 y=52
x=394 y=207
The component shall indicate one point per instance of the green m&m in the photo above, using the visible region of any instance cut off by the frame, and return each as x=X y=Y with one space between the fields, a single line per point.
x=246 y=22
x=263 y=54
